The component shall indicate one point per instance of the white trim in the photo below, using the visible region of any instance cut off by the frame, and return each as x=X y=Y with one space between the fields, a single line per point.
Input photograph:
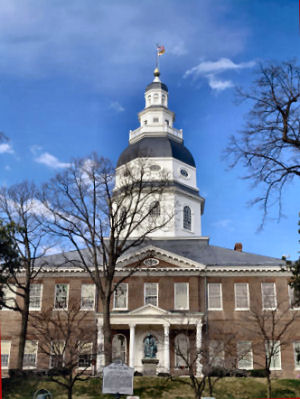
x=274 y=294
x=157 y=292
x=221 y=297
x=291 y=297
x=235 y=298
x=41 y=298
x=244 y=355
x=114 y=300
x=12 y=296
x=187 y=296
x=67 y=301
x=82 y=354
x=278 y=353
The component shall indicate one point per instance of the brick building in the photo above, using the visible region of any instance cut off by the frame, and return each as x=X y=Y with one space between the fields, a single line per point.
x=183 y=288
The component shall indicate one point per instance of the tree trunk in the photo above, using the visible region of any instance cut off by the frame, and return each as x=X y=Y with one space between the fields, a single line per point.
x=70 y=389
x=269 y=387
x=107 y=331
x=23 y=333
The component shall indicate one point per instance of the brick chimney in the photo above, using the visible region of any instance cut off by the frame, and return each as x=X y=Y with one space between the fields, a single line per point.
x=238 y=246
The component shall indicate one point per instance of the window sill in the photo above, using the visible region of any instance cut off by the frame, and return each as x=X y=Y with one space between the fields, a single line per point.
x=117 y=309
x=60 y=309
x=215 y=310
x=29 y=367
x=88 y=309
x=242 y=309
x=34 y=309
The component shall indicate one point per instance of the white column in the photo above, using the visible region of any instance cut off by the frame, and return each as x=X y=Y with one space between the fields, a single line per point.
x=100 y=346
x=131 y=345
x=167 y=347
x=198 y=347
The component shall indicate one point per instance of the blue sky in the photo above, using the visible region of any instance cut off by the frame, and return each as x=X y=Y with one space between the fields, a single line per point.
x=72 y=79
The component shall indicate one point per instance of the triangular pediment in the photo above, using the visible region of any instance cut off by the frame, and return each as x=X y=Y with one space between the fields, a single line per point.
x=148 y=310
x=152 y=257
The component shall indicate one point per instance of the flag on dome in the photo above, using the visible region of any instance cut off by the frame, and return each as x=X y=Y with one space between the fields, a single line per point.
x=160 y=50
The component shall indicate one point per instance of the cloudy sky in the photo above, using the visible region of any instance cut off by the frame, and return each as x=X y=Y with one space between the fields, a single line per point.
x=72 y=79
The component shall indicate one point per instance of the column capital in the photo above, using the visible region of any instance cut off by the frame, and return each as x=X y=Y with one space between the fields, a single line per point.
x=132 y=325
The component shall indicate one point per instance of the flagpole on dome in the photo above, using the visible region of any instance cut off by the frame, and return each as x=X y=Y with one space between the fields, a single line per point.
x=160 y=50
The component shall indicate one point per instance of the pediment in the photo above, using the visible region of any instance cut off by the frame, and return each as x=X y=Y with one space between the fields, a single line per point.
x=152 y=257
x=148 y=310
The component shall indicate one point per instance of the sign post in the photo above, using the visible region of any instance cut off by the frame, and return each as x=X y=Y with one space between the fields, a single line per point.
x=118 y=379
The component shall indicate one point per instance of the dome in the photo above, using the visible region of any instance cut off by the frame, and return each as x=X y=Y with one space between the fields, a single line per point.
x=156 y=147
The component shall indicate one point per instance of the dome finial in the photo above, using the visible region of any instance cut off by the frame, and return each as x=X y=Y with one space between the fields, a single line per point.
x=156 y=72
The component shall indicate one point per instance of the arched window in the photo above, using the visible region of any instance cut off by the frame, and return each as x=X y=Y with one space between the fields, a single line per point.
x=181 y=349
x=154 y=209
x=149 y=99
x=119 y=348
x=163 y=98
x=187 y=218
x=155 y=98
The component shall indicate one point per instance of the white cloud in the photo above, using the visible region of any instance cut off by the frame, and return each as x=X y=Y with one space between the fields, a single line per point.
x=214 y=67
x=51 y=161
x=116 y=106
x=7 y=167
x=210 y=69
x=35 y=149
x=6 y=148
x=217 y=84
x=178 y=49
x=223 y=224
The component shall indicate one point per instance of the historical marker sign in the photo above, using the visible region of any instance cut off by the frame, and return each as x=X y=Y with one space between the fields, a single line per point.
x=118 y=378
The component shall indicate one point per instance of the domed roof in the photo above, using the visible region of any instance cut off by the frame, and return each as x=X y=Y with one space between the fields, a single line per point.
x=156 y=147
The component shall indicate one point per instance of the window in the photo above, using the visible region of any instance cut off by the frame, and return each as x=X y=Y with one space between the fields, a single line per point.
x=215 y=296
x=297 y=355
x=216 y=353
x=149 y=99
x=150 y=293
x=273 y=351
x=85 y=356
x=5 y=354
x=145 y=122
x=293 y=305
x=268 y=296
x=245 y=355
x=181 y=293
x=182 y=347
x=121 y=297
x=87 y=296
x=61 y=296
x=30 y=354
x=167 y=122
x=154 y=209
x=241 y=291
x=35 y=297
x=155 y=98
x=9 y=297
x=187 y=218
x=119 y=348
x=155 y=120
x=57 y=354
x=163 y=99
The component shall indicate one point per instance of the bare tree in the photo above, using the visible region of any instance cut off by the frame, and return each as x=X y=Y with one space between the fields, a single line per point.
x=218 y=357
x=273 y=331
x=269 y=145
x=18 y=207
x=69 y=345
x=103 y=215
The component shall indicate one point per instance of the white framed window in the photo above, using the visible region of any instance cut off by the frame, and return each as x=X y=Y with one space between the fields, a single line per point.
x=88 y=292
x=187 y=218
x=30 y=355
x=182 y=346
x=214 y=296
x=35 y=296
x=241 y=292
x=297 y=355
x=9 y=297
x=5 y=354
x=245 y=355
x=121 y=296
x=268 y=291
x=273 y=350
x=155 y=120
x=151 y=293
x=155 y=98
x=216 y=353
x=57 y=354
x=154 y=209
x=85 y=356
x=61 y=296
x=181 y=296
x=292 y=299
x=119 y=348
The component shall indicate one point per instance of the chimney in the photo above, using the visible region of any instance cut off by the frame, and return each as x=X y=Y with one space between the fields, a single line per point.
x=238 y=246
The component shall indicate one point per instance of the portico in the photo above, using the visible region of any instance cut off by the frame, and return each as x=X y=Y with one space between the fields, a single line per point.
x=149 y=319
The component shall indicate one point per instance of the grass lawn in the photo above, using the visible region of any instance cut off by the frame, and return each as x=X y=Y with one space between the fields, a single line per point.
x=155 y=388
